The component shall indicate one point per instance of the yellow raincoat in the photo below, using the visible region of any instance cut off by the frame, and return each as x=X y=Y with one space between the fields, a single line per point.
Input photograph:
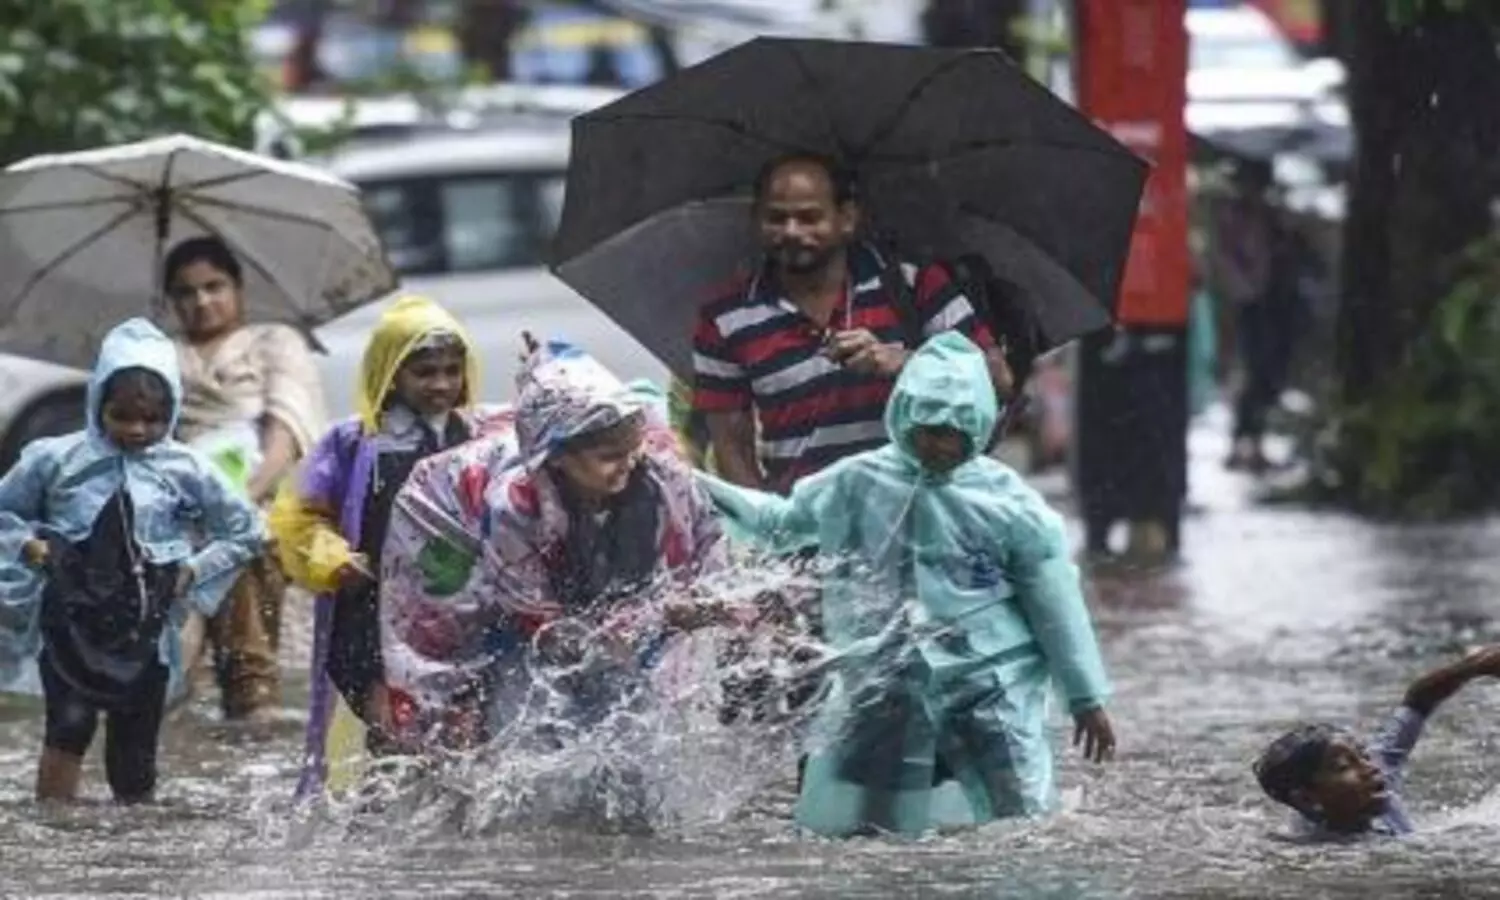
x=318 y=517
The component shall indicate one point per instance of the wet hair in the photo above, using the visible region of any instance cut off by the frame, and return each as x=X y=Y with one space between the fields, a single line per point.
x=136 y=381
x=625 y=429
x=209 y=250
x=845 y=184
x=1292 y=761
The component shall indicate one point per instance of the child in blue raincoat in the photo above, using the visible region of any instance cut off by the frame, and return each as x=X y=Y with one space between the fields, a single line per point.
x=103 y=532
x=951 y=605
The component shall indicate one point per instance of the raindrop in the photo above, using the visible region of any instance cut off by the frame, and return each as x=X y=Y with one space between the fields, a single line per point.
x=1396 y=164
x=1432 y=100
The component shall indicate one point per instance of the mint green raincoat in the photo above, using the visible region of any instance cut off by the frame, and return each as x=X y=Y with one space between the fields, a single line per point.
x=952 y=605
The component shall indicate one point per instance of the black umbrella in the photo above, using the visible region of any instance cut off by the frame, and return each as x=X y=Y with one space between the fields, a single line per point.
x=956 y=151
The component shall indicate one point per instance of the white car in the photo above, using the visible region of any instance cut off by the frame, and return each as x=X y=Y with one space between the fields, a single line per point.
x=1244 y=73
x=467 y=218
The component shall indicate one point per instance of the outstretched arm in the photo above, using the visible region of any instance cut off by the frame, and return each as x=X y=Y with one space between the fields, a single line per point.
x=1434 y=688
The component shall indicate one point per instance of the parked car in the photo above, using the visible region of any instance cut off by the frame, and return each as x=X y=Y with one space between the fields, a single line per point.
x=466 y=218
x=1244 y=73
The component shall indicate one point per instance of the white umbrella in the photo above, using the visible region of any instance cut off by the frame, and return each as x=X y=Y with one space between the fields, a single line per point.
x=83 y=236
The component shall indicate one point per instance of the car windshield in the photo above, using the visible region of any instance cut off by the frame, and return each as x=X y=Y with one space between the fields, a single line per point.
x=1240 y=53
x=475 y=222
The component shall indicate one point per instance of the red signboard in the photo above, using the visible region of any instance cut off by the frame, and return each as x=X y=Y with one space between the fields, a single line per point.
x=1132 y=80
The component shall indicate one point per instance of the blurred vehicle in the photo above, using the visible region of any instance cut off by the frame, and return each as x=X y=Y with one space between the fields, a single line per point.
x=702 y=28
x=565 y=43
x=352 y=49
x=357 y=120
x=467 y=219
x=1244 y=73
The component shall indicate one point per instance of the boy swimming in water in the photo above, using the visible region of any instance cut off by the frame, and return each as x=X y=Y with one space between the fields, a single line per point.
x=1341 y=786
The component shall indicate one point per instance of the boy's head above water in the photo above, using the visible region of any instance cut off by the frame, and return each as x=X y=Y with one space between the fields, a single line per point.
x=939 y=448
x=431 y=378
x=135 y=409
x=1325 y=774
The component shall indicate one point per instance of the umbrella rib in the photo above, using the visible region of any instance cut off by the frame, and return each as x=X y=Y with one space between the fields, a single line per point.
x=66 y=204
x=276 y=214
x=84 y=243
x=910 y=100
x=840 y=146
x=106 y=175
x=992 y=144
x=714 y=123
x=221 y=180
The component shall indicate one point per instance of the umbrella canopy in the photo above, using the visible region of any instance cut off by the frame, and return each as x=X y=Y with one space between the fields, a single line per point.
x=956 y=152
x=83 y=236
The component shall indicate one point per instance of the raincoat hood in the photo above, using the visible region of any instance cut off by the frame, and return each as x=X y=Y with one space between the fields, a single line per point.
x=945 y=383
x=133 y=344
x=401 y=331
x=565 y=393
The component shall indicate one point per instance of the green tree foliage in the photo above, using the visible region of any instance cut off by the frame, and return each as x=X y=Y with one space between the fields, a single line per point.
x=1413 y=431
x=83 y=73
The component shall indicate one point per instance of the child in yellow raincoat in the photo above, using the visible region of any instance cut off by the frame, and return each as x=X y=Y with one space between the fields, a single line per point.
x=415 y=399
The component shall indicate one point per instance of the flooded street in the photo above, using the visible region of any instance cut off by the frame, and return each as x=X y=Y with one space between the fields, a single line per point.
x=1277 y=616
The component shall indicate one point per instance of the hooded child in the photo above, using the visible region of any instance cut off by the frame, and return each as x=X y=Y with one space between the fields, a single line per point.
x=415 y=399
x=109 y=536
x=589 y=515
x=950 y=604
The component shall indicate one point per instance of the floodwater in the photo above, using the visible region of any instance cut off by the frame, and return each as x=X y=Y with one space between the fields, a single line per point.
x=1277 y=616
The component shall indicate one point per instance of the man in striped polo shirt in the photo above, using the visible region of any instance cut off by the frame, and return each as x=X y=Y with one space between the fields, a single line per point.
x=812 y=345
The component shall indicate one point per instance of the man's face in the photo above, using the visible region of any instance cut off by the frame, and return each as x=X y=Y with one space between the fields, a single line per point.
x=802 y=225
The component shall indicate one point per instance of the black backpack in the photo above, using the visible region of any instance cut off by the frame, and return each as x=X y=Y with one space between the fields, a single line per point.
x=996 y=301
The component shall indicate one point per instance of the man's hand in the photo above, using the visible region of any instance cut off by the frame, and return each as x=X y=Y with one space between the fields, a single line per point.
x=861 y=351
x=1092 y=729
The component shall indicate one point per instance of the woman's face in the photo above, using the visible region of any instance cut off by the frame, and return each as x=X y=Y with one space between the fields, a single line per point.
x=207 y=300
x=602 y=471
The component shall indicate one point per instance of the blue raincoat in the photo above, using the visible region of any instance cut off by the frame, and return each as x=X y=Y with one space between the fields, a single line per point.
x=185 y=510
x=951 y=605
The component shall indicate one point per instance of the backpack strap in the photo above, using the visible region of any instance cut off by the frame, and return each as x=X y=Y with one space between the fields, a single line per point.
x=902 y=292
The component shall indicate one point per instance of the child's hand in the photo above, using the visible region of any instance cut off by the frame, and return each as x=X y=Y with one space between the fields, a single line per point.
x=185 y=581
x=1093 y=730
x=35 y=552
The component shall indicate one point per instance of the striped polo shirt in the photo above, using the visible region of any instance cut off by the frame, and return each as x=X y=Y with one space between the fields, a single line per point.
x=754 y=349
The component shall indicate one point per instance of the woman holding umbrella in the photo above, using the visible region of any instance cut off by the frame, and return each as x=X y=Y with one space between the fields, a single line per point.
x=247 y=255
x=251 y=397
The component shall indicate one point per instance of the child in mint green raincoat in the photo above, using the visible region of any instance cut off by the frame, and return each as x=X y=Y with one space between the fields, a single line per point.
x=951 y=605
